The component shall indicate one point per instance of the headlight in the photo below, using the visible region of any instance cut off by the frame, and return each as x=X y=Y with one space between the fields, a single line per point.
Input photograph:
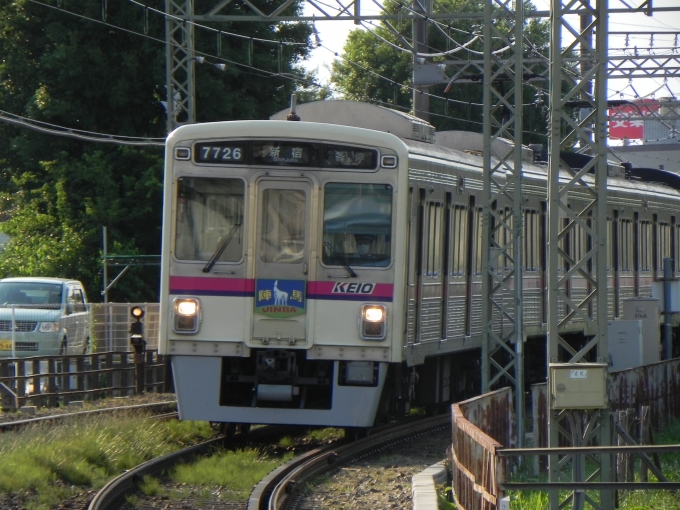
x=48 y=327
x=187 y=315
x=373 y=322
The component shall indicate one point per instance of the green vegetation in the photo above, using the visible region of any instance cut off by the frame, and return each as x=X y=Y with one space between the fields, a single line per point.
x=443 y=495
x=231 y=474
x=628 y=500
x=366 y=58
x=45 y=465
x=48 y=464
x=62 y=64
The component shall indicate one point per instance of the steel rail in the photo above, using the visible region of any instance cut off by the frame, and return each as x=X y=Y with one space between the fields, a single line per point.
x=272 y=491
x=19 y=424
x=113 y=491
x=117 y=487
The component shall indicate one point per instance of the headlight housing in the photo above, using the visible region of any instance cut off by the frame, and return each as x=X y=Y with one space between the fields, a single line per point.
x=187 y=315
x=48 y=327
x=373 y=322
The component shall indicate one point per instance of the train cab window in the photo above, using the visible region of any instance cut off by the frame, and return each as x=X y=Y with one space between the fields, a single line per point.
x=208 y=218
x=283 y=229
x=357 y=224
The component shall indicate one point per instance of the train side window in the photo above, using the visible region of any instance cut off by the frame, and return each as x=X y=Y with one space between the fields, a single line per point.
x=507 y=231
x=459 y=240
x=626 y=244
x=208 y=210
x=663 y=244
x=610 y=244
x=433 y=260
x=645 y=245
x=478 y=237
x=531 y=240
x=676 y=258
x=579 y=243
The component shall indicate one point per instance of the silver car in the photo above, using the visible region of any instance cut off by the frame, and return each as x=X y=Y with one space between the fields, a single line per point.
x=43 y=316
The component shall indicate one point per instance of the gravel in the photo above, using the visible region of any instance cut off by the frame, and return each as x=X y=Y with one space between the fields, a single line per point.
x=381 y=481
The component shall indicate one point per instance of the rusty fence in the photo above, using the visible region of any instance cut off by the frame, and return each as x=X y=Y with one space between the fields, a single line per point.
x=57 y=380
x=656 y=386
x=480 y=427
x=483 y=436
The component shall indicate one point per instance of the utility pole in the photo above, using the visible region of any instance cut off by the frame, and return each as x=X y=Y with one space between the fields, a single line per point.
x=421 y=100
x=577 y=208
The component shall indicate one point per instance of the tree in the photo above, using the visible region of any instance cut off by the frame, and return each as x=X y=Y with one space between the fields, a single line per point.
x=105 y=76
x=367 y=57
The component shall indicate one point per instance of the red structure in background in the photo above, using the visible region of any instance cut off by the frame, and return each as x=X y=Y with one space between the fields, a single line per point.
x=628 y=121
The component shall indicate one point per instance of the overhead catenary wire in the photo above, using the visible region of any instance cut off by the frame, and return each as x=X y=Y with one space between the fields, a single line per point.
x=263 y=72
x=89 y=136
x=259 y=72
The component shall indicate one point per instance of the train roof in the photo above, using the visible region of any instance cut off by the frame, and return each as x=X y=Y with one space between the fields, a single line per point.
x=362 y=115
x=422 y=138
x=405 y=126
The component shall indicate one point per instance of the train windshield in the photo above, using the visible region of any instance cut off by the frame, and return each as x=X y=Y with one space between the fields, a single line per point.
x=209 y=212
x=357 y=224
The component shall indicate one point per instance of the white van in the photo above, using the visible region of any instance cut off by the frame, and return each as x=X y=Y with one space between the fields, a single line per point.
x=43 y=316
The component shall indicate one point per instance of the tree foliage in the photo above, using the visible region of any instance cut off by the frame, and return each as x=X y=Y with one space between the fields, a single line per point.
x=104 y=72
x=373 y=70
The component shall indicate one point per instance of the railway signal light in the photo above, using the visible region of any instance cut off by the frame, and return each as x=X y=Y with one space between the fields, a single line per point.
x=139 y=345
x=137 y=329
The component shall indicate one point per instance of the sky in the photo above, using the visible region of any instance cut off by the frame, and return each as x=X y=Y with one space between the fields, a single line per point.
x=334 y=33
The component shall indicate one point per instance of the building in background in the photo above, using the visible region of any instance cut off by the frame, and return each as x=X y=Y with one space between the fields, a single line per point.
x=650 y=131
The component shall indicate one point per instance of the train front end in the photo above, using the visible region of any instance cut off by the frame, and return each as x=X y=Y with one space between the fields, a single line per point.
x=282 y=274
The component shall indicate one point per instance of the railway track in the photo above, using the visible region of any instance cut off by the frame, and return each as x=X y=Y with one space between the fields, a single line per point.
x=160 y=408
x=273 y=492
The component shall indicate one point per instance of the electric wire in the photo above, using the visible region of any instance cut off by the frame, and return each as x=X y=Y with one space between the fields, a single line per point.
x=295 y=78
x=53 y=129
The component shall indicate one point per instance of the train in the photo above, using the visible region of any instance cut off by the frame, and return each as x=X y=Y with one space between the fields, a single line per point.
x=324 y=267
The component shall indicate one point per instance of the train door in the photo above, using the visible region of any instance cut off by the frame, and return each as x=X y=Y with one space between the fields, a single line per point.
x=282 y=242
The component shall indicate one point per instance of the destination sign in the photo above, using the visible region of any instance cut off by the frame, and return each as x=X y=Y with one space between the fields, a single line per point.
x=285 y=153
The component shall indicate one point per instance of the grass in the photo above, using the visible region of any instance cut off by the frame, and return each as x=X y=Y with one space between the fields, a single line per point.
x=47 y=464
x=628 y=500
x=231 y=475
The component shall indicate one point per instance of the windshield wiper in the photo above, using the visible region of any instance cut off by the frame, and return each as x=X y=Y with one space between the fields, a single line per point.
x=221 y=246
x=340 y=259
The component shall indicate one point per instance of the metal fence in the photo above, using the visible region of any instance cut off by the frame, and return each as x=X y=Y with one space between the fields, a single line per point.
x=478 y=425
x=111 y=326
x=50 y=355
x=56 y=329
x=48 y=381
x=483 y=438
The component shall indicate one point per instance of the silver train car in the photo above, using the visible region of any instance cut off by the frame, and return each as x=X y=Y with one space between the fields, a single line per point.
x=329 y=271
